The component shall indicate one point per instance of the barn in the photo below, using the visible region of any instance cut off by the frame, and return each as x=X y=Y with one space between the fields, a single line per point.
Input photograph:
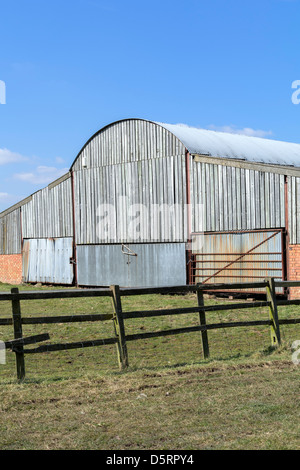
x=153 y=204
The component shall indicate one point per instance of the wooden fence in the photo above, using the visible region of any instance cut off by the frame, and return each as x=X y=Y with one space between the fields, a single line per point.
x=118 y=316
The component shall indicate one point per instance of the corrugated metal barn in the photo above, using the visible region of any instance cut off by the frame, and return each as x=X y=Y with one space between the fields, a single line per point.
x=152 y=204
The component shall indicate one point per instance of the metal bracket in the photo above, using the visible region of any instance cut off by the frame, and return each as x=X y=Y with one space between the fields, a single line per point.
x=129 y=252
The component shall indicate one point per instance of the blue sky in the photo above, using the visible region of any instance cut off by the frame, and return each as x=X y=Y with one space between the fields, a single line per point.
x=71 y=67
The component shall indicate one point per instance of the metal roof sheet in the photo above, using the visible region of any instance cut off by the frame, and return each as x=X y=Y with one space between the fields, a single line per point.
x=236 y=146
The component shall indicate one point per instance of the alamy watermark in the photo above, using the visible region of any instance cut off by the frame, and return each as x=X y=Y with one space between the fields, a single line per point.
x=296 y=93
x=296 y=353
x=141 y=223
x=2 y=92
x=2 y=353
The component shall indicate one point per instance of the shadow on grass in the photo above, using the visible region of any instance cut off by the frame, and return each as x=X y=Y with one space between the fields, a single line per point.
x=256 y=357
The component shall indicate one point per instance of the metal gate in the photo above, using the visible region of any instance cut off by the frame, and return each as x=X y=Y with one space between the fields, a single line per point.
x=229 y=257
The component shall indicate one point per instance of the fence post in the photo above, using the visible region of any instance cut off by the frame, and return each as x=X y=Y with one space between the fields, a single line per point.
x=273 y=312
x=119 y=327
x=202 y=318
x=17 y=323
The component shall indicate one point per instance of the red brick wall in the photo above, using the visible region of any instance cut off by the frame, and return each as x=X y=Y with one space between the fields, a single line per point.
x=11 y=269
x=294 y=269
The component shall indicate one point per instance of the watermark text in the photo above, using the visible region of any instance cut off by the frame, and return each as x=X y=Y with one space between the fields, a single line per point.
x=141 y=223
x=296 y=353
x=2 y=92
x=296 y=94
x=2 y=353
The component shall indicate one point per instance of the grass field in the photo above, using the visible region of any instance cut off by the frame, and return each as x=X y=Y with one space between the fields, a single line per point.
x=245 y=396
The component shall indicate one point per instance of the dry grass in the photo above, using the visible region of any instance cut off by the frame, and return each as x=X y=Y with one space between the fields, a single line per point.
x=215 y=407
x=245 y=396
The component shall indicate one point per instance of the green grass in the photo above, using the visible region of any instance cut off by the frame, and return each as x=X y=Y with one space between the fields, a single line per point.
x=245 y=396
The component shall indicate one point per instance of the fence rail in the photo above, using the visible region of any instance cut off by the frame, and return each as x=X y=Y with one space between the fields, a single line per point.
x=118 y=316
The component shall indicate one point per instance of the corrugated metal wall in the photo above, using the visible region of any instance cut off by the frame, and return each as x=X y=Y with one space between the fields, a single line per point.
x=156 y=182
x=294 y=209
x=128 y=141
x=235 y=198
x=10 y=233
x=131 y=162
x=48 y=260
x=161 y=264
x=49 y=213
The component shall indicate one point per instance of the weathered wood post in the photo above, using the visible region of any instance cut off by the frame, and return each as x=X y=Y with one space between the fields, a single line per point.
x=18 y=333
x=273 y=312
x=202 y=318
x=119 y=328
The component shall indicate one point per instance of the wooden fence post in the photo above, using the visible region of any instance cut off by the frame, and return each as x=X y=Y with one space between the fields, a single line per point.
x=17 y=323
x=202 y=318
x=271 y=297
x=119 y=327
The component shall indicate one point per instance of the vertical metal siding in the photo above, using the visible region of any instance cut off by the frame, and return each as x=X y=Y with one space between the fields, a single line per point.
x=130 y=162
x=48 y=260
x=235 y=199
x=294 y=209
x=49 y=213
x=158 y=181
x=10 y=233
x=128 y=141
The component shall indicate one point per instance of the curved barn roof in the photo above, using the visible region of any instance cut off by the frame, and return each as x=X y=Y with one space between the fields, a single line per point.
x=226 y=145
x=236 y=146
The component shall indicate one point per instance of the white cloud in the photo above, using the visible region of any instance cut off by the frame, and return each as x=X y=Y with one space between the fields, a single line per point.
x=7 y=156
x=245 y=131
x=42 y=175
x=4 y=196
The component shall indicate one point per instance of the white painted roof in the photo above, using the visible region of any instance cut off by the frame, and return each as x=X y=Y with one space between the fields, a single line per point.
x=237 y=146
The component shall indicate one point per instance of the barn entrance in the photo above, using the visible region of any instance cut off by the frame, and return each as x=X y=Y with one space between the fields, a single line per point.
x=132 y=265
x=247 y=256
x=47 y=260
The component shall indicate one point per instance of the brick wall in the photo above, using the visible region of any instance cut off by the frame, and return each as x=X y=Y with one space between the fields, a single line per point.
x=294 y=269
x=11 y=269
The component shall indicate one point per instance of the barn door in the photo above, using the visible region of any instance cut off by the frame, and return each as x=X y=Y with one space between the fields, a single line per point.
x=48 y=260
x=230 y=257
x=134 y=265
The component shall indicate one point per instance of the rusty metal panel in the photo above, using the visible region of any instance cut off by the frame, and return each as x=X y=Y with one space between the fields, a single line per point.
x=134 y=265
x=48 y=260
x=239 y=257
